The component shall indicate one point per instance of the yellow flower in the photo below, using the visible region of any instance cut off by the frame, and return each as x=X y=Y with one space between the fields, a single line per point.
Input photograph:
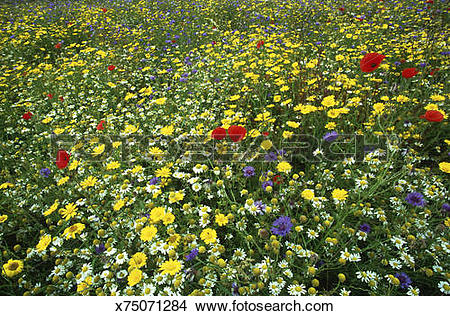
x=112 y=165
x=292 y=124
x=43 y=243
x=69 y=211
x=339 y=57
x=445 y=167
x=174 y=240
x=52 y=208
x=330 y=125
x=339 y=194
x=118 y=205
x=235 y=97
x=328 y=101
x=284 y=166
x=277 y=98
x=164 y=172
x=148 y=233
x=402 y=99
x=58 y=131
x=161 y=101
x=266 y=144
x=437 y=97
x=89 y=182
x=101 y=53
x=157 y=214
x=47 y=120
x=176 y=196
x=378 y=108
x=136 y=169
x=447 y=222
x=156 y=152
x=98 y=150
x=167 y=130
x=129 y=96
x=307 y=194
x=221 y=220
x=139 y=259
x=3 y=218
x=134 y=277
x=208 y=235
x=130 y=129
x=83 y=287
x=74 y=164
x=170 y=267
x=287 y=134
x=6 y=185
x=62 y=181
x=168 y=218
x=71 y=231
x=12 y=268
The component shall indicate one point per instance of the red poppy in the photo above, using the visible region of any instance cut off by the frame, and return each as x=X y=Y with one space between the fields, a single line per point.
x=213 y=42
x=430 y=1
x=341 y=9
x=265 y=133
x=259 y=44
x=433 y=116
x=62 y=159
x=236 y=133
x=371 y=61
x=173 y=41
x=27 y=115
x=61 y=98
x=50 y=96
x=277 y=179
x=409 y=72
x=111 y=67
x=58 y=45
x=100 y=126
x=104 y=10
x=434 y=71
x=219 y=133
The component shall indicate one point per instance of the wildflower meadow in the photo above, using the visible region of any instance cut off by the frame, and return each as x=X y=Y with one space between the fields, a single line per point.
x=224 y=147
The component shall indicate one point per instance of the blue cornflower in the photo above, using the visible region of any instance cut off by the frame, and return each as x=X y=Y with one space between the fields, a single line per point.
x=365 y=228
x=404 y=279
x=45 y=172
x=415 y=199
x=282 y=226
x=266 y=184
x=192 y=254
x=249 y=171
x=329 y=137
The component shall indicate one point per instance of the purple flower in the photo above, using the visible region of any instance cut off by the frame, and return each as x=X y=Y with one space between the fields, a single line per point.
x=154 y=181
x=415 y=199
x=260 y=206
x=266 y=184
x=329 y=137
x=249 y=171
x=45 y=172
x=446 y=207
x=271 y=156
x=235 y=289
x=192 y=254
x=100 y=248
x=404 y=279
x=365 y=228
x=281 y=226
